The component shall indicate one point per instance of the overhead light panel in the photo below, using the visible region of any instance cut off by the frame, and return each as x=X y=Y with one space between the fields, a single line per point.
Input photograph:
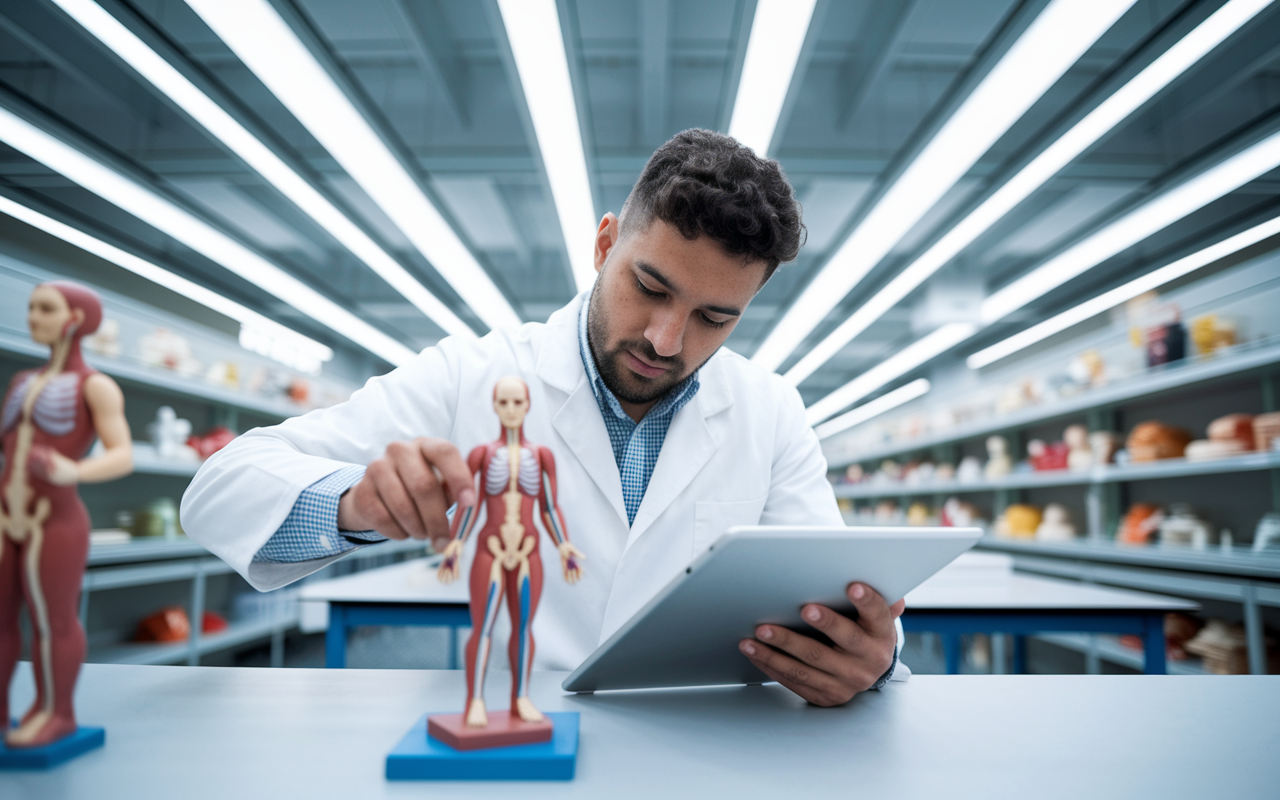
x=1121 y=294
x=537 y=44
x=201 y=108
x=1154 y=215
x=889 y=370
x=274 y=53
x=1054 y=41
x=196 y=234
x=887 y=402
x=1097 y=123
x=778 y=31
x=266 y=336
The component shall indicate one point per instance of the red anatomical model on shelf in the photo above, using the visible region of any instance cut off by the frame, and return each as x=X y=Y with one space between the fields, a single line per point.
x=51 y=416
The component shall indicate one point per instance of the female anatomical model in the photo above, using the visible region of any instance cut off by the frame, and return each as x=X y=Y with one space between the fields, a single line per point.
x=513 y=474
x=50 y=417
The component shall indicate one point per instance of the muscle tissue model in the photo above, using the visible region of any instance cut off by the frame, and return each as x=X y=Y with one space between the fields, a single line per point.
x=513 y=474
x=51 y=416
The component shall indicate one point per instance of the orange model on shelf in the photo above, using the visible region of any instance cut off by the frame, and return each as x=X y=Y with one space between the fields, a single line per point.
x=513 y=474
x=50 y=417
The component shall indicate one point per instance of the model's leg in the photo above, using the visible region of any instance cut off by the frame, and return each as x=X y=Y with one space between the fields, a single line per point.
x=486 y=599
x=54 y=565
x=10 y=633
x=522 y=598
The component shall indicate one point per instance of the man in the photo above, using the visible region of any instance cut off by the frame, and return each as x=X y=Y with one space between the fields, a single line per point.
x=663 y=439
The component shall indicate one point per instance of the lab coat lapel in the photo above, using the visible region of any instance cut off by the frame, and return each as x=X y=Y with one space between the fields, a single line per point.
x=695 y=434
x=577 y=419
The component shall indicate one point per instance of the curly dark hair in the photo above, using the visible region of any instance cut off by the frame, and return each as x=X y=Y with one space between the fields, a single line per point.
x=705 y=183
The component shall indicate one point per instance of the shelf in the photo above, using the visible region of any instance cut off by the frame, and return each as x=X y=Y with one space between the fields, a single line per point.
x=1109 y=648
x=237 y=633
x=140 y=550
x=1240 y=561
x=146 y=462
x=163 y=380
x=1241 y=359
x=1168 y=468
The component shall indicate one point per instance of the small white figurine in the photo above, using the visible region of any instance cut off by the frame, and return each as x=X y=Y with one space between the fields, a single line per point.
x=1056 y=525
x=1079 y=455
x=970 y=470
x=998 y=462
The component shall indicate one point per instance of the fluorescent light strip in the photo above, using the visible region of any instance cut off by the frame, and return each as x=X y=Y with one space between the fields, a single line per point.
x=778 y=30
x=1153 y=216
x=1054 y=41
x=1109 y=300
x=258 y=156
x=158 y=212
x=273 y=52
x=887 y=402
x=892 y=368
x=537 y=43
x=1157 y=75
x=308 y=353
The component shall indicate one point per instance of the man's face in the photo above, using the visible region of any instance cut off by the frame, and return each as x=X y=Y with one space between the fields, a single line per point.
x=661 y=306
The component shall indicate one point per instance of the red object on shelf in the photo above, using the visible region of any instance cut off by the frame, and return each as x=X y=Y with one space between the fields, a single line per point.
x=211 y=622
x=212 y=441
x=1048 y=456
x=166 y=625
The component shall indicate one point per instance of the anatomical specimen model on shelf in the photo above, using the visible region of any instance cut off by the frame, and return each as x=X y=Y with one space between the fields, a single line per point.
x=513 y=474
x=51 y=415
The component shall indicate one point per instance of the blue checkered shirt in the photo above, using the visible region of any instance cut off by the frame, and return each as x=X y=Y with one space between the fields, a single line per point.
x=635 y=444
x=311 y=529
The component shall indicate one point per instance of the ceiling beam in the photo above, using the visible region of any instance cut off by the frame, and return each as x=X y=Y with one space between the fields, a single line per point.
x=655 y=26
x=436 y=52
x=868 y=64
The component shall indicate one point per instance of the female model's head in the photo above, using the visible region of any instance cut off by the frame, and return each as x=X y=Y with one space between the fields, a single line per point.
x=511 y=402
x=61 y=308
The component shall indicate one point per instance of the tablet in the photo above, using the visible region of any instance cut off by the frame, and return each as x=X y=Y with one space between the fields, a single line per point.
x=688 y=634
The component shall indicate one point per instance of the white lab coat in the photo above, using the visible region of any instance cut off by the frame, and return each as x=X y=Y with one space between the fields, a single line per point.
x=738 y=453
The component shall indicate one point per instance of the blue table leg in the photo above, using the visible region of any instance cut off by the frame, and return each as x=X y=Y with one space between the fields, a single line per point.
x=453 y=647
x=1153 y=645
x=1019 y=654
x=951 y=651
x=335 y=638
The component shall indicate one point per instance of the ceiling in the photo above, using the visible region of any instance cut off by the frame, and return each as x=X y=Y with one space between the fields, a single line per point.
x=875 y=80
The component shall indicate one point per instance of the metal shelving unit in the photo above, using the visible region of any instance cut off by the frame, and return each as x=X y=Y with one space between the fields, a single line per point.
x=1239 y=361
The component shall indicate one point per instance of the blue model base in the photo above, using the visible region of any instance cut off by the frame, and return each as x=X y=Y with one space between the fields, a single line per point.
x=420 y=757
x=51 y=755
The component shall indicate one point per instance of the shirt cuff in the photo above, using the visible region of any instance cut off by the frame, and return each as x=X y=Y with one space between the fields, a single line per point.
x=888 y=674
x=311 y=529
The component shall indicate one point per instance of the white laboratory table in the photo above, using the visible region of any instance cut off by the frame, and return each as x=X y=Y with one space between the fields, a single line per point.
x=953 y=602
x=218 y=733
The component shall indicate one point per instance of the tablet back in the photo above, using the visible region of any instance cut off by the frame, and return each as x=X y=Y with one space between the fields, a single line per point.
x=688 y=634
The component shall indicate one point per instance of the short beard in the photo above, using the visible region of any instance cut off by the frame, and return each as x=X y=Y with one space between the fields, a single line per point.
x=633 y=388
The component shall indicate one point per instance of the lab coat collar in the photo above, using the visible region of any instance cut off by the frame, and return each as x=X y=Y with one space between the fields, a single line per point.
x=691 y=440
x=574 y=412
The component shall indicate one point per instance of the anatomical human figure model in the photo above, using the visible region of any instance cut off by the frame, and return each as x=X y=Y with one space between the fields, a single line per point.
x=513 y=475
x=50 y=417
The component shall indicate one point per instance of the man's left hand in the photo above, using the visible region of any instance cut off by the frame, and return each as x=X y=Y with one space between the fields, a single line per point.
x=830 y=675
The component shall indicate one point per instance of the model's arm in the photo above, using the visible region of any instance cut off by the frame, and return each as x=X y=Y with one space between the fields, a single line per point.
x=571 y=558
x=464 y=521
x=863 y=654
x=106 y=409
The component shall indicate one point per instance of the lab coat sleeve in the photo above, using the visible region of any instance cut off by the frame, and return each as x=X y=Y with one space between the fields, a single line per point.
x=799 y=492
x=241 y=495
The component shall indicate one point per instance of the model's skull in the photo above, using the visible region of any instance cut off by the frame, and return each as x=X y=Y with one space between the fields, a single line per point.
x=511 y=402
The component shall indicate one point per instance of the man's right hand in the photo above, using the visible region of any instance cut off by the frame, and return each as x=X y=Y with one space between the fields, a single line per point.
x=406 y=493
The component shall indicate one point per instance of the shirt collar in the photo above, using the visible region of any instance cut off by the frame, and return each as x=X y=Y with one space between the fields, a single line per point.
x=672 y=402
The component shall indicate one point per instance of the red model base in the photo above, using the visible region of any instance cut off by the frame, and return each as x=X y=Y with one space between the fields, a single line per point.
x=503 y=730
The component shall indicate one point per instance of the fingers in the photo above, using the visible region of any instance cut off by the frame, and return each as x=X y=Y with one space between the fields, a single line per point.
x=449 y=463
x=874 y=615
x=813 y=685
x=419 y=484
